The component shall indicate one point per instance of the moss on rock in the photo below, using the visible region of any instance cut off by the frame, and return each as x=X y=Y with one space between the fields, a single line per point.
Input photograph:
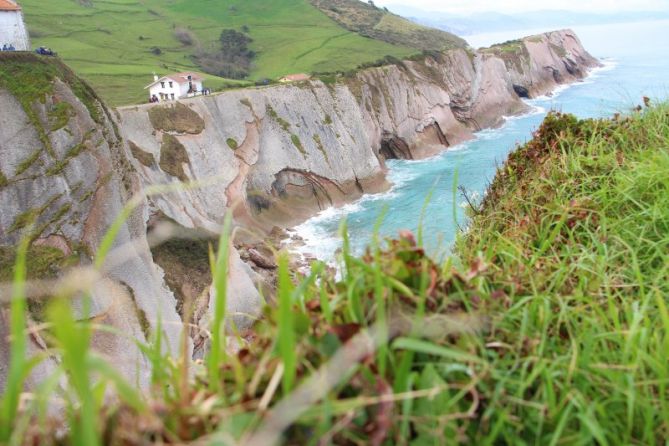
x=232 y=143
x=319 y=145
x=72 y=153
x=145 y=158
x=285 y=125
x=298 y=144
x=42 y=262
x=185 y=262
x=173 y=156
x=30 y=79
x=28 y=162
x=60 y=115
x=177 y=118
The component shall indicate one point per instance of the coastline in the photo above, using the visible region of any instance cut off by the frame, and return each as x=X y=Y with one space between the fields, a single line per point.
x=307 y=241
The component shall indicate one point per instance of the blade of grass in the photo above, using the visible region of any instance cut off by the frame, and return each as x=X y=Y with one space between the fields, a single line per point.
x=18 y=345
x=220 y=274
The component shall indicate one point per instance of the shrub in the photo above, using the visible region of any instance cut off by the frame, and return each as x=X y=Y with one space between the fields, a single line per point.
x=173 y=156
x=184 y=36
x=144 y=157
x=233 y=60
x=177 y=118
x=232 y=143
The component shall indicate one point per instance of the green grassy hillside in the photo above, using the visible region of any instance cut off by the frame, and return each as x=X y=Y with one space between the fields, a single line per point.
x=114 y=43
x=369 y=20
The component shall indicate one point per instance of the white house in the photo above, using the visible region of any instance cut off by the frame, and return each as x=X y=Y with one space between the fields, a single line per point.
x=13 y=31
x=174 y=86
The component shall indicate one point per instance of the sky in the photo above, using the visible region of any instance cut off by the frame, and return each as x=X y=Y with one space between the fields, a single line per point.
x=474 y=6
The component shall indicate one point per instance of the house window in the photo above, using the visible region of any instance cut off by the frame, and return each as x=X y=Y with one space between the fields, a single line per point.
x=162 y=85
x=172 y=96
x=170 y=84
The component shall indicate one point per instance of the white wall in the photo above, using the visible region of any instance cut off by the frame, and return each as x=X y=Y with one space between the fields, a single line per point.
x=169 y=91
x=13 y=30
x=179 y=90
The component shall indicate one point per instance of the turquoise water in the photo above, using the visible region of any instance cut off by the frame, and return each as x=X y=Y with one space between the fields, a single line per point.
x=636 y=63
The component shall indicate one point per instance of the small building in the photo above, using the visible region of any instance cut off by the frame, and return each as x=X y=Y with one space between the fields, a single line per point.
x=174 y=86
x=13 y=32
x=299 y=77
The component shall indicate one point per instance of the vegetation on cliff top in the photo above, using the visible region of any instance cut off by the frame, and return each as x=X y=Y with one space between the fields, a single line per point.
x=178 y=118
x=117 y=45
x=31 y=78
x=548 y=326
x=371 y=21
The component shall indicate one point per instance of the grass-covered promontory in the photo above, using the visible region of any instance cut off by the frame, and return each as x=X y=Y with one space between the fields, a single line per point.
x=117 y=45
x=548 y=326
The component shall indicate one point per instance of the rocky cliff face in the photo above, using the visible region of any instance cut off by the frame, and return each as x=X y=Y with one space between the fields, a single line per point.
x=279 y=154
x=64 y=179
x=273 y=155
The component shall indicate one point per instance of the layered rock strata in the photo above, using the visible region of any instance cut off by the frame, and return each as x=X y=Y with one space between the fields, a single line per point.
x=65 y=180
x=274 y=156
x=279 y=154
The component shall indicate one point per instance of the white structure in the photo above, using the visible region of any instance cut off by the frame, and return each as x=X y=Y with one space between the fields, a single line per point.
x=174 y=86
x=12 y=28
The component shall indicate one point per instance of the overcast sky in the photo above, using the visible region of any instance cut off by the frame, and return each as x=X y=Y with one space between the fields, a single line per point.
x=473 y=6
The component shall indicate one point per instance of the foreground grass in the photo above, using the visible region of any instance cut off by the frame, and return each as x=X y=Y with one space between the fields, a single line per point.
x=550 y=326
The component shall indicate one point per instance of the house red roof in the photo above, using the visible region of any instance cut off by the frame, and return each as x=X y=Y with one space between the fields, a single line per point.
x=9 y=5
x=184 y=76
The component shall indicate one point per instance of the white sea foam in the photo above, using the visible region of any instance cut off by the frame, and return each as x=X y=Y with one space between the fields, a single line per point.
x=607 y=65
x=535 y=110
x=457 y=148
x=316 y=237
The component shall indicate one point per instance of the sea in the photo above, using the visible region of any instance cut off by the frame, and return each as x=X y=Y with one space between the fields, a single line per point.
x=432 y=193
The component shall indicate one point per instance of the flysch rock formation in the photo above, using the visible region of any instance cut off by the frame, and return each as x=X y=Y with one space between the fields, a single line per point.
x=282 y=153
x=65 y=180
x=274 y=156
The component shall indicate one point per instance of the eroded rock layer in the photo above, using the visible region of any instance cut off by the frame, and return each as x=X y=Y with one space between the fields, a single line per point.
x=65 y=179
x=273 y=155
x=279 y=154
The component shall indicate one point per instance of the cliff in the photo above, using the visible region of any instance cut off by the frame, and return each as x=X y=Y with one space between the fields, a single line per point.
x=274 y=155
x=282 y=153
x=64 y=179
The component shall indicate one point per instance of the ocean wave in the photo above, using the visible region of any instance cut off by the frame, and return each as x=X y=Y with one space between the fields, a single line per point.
x=595 y=73
x=459 y=147
x=557 y=91
x=535 y=110
x=608 y=64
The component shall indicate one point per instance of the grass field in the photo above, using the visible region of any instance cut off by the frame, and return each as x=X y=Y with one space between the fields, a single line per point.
x=548 y=326
x=110 y=42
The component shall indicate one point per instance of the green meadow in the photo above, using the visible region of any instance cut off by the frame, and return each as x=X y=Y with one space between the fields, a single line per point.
x=112 y=43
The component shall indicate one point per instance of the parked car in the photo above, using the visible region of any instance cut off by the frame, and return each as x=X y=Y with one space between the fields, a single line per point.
x=44 y=51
